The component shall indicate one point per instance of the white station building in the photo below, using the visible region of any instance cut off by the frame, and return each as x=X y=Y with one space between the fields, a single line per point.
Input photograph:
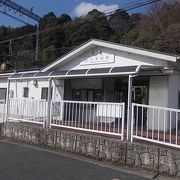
x=100 y=71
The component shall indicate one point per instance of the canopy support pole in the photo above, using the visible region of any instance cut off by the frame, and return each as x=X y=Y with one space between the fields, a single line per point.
x=48 y=122
x=129 y=107
x=7 y=102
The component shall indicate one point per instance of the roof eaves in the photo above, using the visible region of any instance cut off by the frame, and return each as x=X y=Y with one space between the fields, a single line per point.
x=134 y=47
x=140 y=51
x=122 y=47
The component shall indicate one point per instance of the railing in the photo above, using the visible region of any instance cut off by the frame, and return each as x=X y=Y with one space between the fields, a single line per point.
x=27 y=110
x=150 y=123
x=2 y=111
x=156 y=124
x=98 y=117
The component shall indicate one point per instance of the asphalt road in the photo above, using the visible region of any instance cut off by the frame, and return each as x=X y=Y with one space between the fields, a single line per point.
x=19 y=162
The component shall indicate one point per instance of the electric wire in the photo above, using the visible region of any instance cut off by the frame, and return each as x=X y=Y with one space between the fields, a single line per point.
x=87 y=21
x=81 y=22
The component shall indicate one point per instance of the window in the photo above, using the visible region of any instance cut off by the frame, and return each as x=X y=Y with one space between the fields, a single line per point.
x=88 y=95
x=11 y=94
x=98 y=95
x=3 y=93
x=44 y=93
x=26 y=92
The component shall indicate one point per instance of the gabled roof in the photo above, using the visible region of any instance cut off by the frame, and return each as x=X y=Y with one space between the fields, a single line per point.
x=116 y=46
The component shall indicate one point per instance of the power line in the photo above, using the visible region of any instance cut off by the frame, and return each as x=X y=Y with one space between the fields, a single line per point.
x=87 y=21
x=18 y=38
x=141 y=4
x=7 y=14
x=20 y=9
x=17 y=57
x=82 y=22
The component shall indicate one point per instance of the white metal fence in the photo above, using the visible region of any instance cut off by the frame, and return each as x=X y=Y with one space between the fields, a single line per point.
x=100 y=117
x=28 y=110
x=2 y=111
x=150 y=123
x=156 y=124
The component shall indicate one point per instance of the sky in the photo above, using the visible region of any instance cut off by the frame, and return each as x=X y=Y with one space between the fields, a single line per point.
x=74 y=8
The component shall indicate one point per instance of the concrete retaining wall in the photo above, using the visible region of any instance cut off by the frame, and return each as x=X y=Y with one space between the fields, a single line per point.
x=139 y=155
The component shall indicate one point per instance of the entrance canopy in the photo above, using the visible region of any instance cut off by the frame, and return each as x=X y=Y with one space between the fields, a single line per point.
x=92 y=72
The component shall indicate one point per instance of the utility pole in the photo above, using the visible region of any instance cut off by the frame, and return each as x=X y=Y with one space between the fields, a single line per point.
x=10 y=47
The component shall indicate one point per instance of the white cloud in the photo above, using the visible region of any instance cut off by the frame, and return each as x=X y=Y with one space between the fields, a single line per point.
x=83 y=8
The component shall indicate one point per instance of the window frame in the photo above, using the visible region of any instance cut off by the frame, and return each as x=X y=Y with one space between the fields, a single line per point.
x=46 y=88
x=26 y=93
x=5 y=93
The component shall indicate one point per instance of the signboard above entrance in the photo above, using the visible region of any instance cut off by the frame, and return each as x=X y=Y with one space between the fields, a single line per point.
x=99 y=59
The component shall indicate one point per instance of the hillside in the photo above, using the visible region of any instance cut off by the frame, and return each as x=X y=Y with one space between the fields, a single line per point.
x=158 y=29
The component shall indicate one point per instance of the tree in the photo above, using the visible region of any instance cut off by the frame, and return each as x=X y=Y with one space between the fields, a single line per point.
x=100 y=23
x=169 y=40
x=64 y=18
x=130 y=38
x=94 y=25
x=84 y=33
x=119 y=23
x=156 y=29
x=134 y=20
x=48 y=21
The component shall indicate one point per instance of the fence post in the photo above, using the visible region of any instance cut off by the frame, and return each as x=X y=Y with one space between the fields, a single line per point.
x=61 y=109
x=7 y=102
x=132 y=122
x=48 y=122
x=123 y=111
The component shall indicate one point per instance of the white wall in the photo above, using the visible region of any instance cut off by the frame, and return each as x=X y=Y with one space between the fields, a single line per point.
x=174 y=90
x=121 y=59
x=158 y=91
x=158 y=96
x=34 y=91
x=163 y=92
